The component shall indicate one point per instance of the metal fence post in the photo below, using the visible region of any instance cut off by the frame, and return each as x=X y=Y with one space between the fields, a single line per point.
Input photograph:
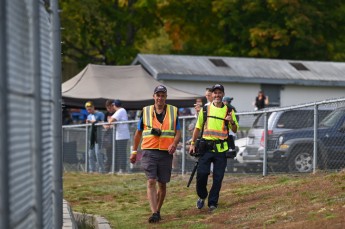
x=264 y=164
x=183 y=146
x=37 y=149
x=4 y=120
x=87 y=148
x=58 y=133
x=316 y=121
x=113 y=149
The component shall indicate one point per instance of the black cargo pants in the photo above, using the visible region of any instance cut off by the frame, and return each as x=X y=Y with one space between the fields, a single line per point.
x=219 y=164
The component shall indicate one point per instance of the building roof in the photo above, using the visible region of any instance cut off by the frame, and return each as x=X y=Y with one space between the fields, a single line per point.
x=243 y=70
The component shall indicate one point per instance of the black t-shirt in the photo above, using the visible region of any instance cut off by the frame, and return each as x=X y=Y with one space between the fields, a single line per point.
x=160 y=117
x=107 y=114
x=260 y=104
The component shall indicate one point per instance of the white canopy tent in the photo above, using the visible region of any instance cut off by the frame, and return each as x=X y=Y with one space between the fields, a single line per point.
x=131 y=84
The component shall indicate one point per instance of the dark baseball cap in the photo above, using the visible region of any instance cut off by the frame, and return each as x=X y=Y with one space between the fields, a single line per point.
x=160 y=88
x=227 y=99
x=117 y=102
x=218 y=86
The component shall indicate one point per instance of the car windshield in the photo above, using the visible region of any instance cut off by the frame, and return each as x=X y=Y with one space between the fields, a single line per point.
x=296 y=119
x=332 y=118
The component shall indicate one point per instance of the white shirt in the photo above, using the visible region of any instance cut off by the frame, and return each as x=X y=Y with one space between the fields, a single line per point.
x=122 y=130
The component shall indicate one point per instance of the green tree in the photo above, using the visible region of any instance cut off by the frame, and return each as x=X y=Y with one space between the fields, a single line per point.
x=291 y=29
x=106 y=32
x=114 y=31
x=192 y=26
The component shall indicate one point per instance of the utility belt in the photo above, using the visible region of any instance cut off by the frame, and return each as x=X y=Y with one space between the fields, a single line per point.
x=204 y=145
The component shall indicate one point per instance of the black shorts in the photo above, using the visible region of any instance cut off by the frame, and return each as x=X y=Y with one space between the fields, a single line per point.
x=157 y=164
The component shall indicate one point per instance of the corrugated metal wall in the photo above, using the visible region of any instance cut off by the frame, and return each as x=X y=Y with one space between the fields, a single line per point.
x=30 y=197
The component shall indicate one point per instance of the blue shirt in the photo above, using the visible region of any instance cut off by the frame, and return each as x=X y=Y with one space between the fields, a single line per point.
x=98 y=116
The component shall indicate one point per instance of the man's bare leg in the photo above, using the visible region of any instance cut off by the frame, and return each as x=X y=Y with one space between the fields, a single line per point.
x=162 y=189
x=152 y=194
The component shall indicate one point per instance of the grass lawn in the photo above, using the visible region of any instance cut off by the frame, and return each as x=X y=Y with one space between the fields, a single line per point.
x=246 y=201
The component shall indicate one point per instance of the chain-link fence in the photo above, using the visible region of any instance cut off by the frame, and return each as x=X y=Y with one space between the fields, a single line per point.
x=300 y=139
x=294 y=136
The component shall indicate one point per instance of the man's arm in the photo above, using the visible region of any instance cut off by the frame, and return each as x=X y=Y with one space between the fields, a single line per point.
x=172 y=147
x=177 y=137
x=231 y=117
x=234 y=123
x=112 y=119
x=136 y=140
x=196 y=133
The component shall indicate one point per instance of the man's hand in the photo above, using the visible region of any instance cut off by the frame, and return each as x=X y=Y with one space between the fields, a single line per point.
x=197 y=107
x=172 y=149
x=133 y=158
x=229 y=117
x=192 y=149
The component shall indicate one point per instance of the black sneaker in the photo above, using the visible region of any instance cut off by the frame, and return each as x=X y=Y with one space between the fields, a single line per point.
x=159 y=215
x=154 y=218
x=200 y=203
x=212 y=208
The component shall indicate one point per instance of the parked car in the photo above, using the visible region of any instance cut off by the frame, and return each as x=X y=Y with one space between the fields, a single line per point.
x=278 y=122
x=293 y=150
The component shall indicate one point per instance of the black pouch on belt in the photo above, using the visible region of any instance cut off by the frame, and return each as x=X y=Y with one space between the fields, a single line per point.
x=200 y=146
x=231 y=142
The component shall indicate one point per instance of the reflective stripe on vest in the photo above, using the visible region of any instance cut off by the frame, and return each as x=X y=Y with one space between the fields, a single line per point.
x=215 y=128
x=168 y=128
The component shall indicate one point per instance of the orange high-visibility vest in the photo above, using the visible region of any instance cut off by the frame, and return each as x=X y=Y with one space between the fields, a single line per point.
x=168 y=128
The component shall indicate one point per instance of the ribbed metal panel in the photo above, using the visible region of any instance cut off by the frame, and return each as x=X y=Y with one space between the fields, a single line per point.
x=46 y=118
x=27 y=139
x=20 y=79
x=19 y=52
x=4 y=205
x=21 y=176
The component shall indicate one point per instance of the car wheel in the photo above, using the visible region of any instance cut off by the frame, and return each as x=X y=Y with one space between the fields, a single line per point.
x=301 y=162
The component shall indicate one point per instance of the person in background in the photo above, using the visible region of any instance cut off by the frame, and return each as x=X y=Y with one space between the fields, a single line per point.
x=208 y=95
x=214 y=147
x=197 y=106
x=94 y=153
x=159 y=126
x=184 y=112
x=78 y=115
x=122 y=136
x=108 y=135
x=261 y=101
x=66 y=116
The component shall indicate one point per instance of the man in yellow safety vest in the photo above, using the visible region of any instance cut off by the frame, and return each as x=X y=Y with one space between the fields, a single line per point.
x=212 y=146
